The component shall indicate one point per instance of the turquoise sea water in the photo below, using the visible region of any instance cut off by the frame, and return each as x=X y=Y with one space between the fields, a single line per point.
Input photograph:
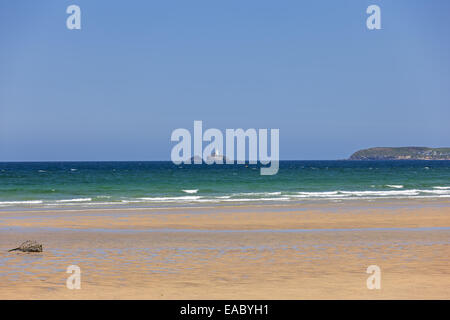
x=102 y=184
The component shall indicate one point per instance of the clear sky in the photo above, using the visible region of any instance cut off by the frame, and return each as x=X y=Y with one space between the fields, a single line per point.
x=137 y=70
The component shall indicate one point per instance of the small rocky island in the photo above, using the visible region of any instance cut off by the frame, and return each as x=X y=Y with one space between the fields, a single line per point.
x=215 y=157
x=402 y=153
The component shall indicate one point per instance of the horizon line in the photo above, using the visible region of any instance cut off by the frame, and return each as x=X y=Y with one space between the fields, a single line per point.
x=284 y=160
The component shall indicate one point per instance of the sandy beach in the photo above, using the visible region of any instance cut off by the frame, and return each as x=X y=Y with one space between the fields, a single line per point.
x=293 y=251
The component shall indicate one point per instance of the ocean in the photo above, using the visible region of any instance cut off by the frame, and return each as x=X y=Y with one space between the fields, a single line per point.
x=149 y=184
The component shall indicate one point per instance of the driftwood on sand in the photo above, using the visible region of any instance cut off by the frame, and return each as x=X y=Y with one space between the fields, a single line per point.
x=29 y=246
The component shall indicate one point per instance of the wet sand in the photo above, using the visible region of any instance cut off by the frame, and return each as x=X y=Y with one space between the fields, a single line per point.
x=295 y=251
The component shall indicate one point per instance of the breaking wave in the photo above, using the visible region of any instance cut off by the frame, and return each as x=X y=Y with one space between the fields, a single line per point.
x=190 y=191
x=244 y=197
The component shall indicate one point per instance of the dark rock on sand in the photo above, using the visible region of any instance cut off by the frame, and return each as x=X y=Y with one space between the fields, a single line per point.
x=29 y=246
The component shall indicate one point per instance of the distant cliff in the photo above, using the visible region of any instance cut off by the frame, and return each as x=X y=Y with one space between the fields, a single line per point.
x=403 y=153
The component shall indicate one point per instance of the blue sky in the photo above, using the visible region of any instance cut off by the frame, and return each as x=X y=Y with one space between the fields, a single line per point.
x=137 y=70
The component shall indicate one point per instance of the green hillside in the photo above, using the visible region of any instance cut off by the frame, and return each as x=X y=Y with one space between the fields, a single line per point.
x=402 y=153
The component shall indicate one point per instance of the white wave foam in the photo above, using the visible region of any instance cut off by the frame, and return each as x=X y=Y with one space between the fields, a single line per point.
x=318 y=194
x=258 y=199
x=430 y=197
x=165 y=199
x=257 y=193
x=21 y=202
x=395 y=186
x=74 y=200
x=348 y=194
x=411 y=192
x=77 y=204
x=202 y=199
x=326 y=195
x=190 y=191
x=442 y=188
x=439 y=191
